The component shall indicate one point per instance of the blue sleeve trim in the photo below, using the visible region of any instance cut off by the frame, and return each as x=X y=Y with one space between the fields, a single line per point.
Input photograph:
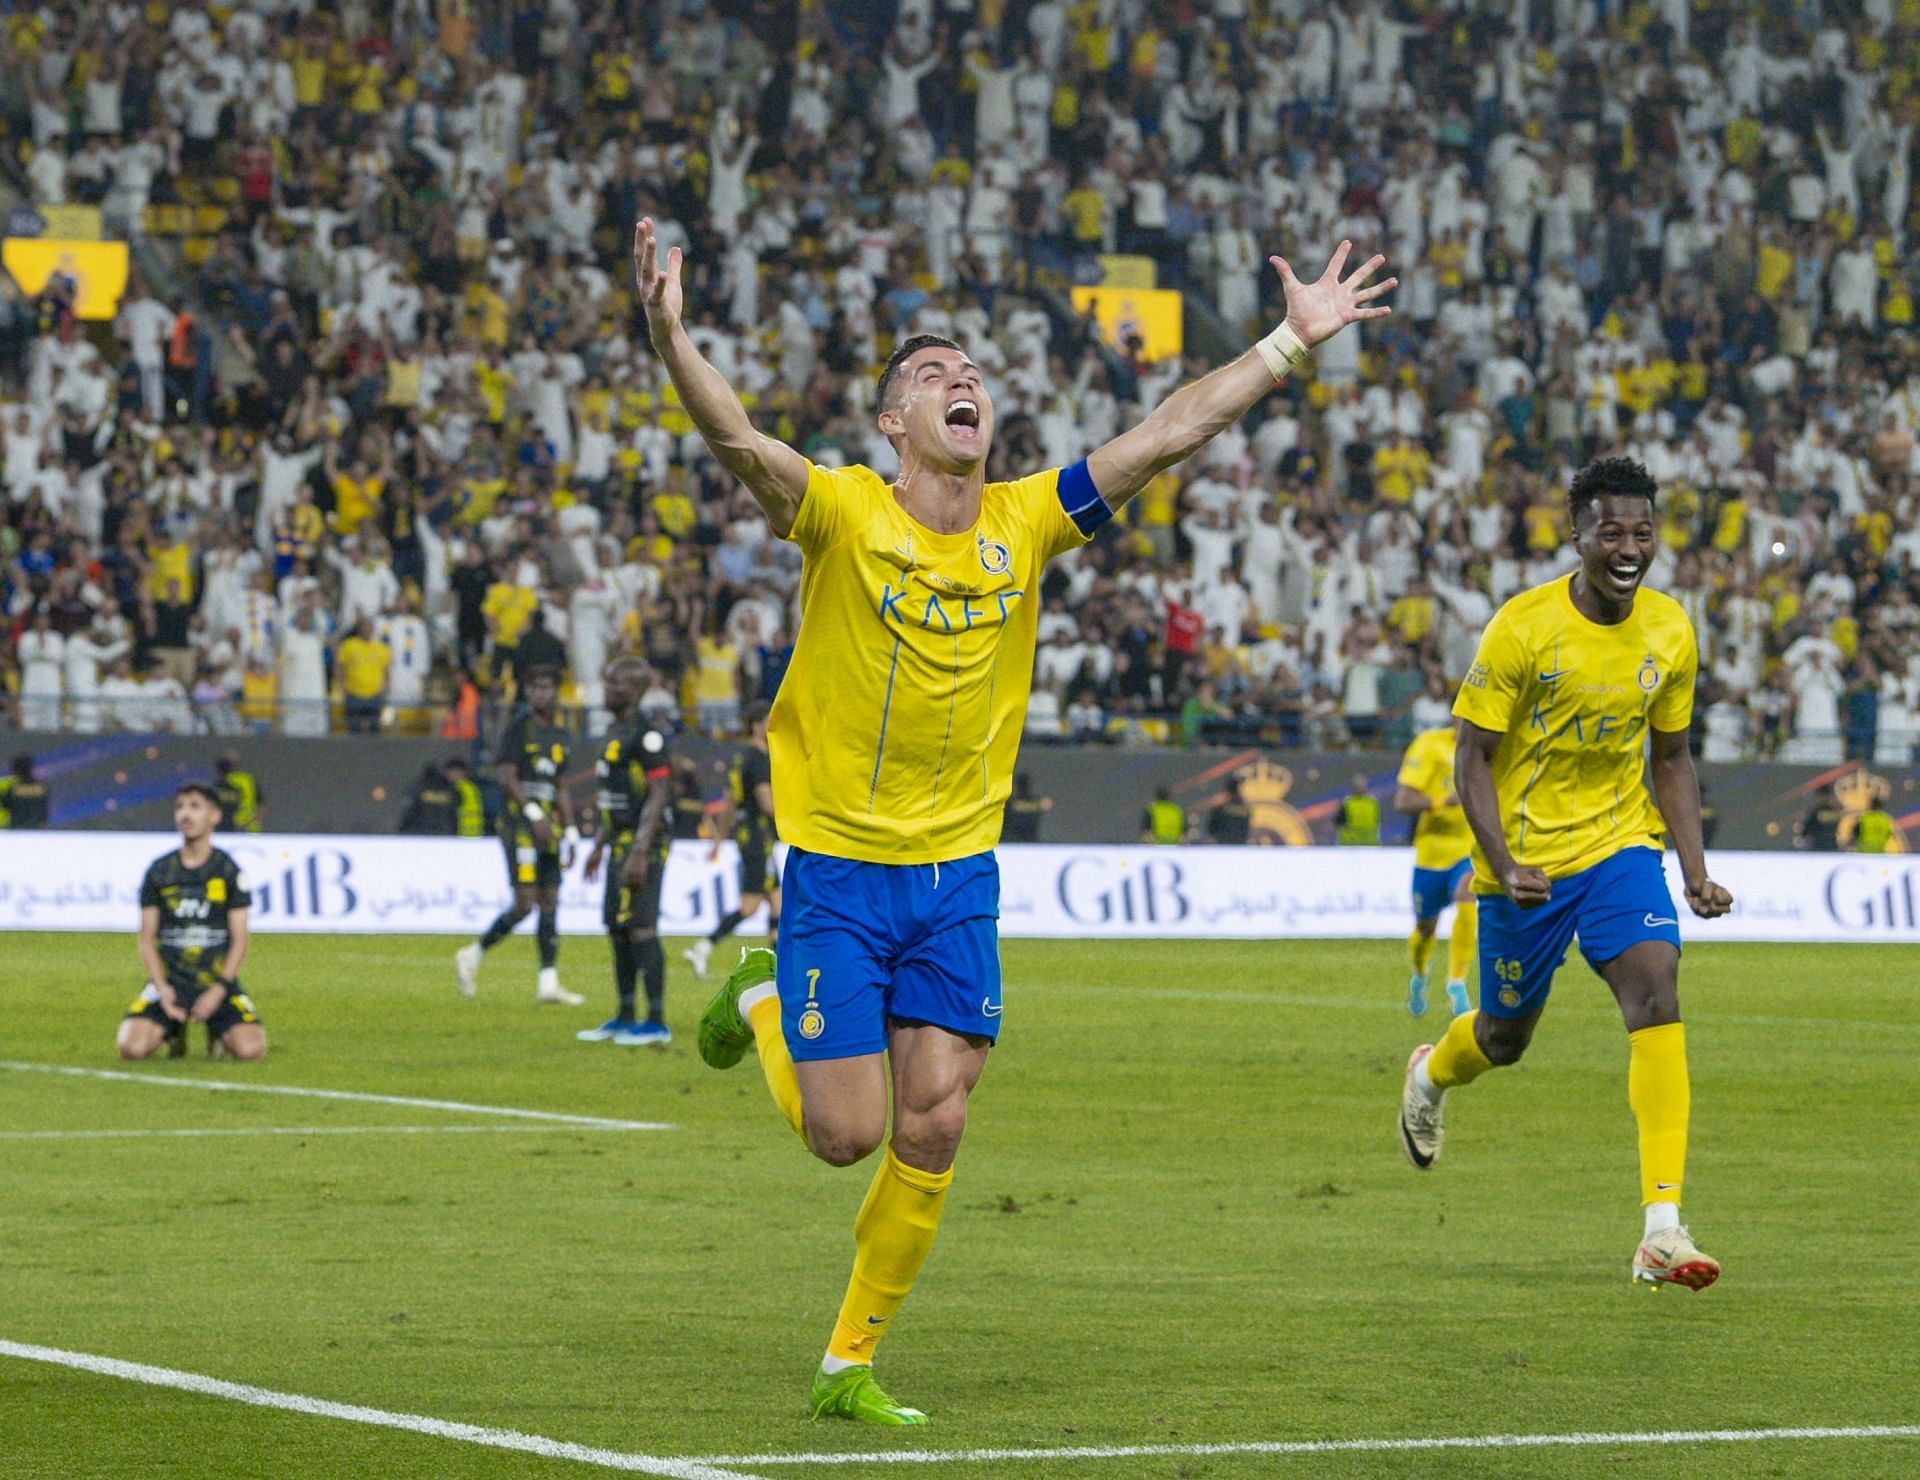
x=1081 y=499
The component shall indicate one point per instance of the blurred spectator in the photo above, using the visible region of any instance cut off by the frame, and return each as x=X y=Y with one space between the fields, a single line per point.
x=1025 y=812
x=23 y=796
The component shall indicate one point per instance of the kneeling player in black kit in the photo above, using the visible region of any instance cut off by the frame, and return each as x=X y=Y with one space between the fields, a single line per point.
x=635 y=782
x=193 y=940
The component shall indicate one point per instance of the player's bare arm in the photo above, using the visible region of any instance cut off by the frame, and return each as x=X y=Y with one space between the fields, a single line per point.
x=1676 y=791
x=633 y=872
x=156 y=969
x=773 y=472
x=1473 y=780
x=209 y=1001
x=1406 y=799
x=1195 y=414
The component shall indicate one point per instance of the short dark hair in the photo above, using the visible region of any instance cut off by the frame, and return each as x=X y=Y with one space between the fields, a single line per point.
x=1621 y=477
x=908 y=348
x=200 y=789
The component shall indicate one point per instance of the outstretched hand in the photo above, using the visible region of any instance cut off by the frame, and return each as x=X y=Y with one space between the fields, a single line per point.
x=1318 y=311
x=659 y=286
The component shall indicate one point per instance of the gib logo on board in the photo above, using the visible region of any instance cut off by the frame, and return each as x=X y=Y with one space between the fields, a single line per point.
x=1106 y=890
x=1882 y=898
x=290 y=886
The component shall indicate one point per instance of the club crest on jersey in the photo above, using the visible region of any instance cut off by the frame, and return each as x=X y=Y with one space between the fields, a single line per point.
x=1649 y=675
x=994 y=557
x=216 y=891
x=812 y=1024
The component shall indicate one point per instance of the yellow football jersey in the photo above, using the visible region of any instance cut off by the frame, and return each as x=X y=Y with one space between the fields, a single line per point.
x=1573 y=701
x=1441 y=837
x=895 y=730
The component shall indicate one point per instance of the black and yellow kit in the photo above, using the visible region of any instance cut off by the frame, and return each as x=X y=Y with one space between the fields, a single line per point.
x=633 y=761
x=538 y=754
x=753 y=831
x=194 y=936
x=23 y=804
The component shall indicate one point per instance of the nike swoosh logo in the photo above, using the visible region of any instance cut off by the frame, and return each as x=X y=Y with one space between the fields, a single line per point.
x=1653 y=919
x=1665 y=1186
x=989 y=1007
x=878 y=1320
x=1555 y=676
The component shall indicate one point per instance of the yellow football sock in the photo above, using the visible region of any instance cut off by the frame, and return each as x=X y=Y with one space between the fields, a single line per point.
x=891 y=1236
x=1456 y=1059
x=1464 y=940
x=1420 y=950
x=1658 y=1091
x=775 y=1062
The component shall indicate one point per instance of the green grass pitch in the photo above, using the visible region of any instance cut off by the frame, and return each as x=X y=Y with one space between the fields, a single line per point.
x=1180 y=1217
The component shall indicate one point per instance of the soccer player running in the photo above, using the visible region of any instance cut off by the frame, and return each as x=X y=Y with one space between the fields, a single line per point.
x=193 y=942
x=1572 y=682
x=535 y=827
x=635 y=789
x=893 y=741
x=748 y=814
x=1442 y=867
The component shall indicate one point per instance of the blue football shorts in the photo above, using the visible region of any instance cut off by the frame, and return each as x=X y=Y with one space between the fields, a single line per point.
x=1433 y=888
x=865 y=944
x=1616 y=904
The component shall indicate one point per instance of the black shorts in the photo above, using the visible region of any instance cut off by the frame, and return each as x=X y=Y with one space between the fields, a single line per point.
x=756 y=861
x=237 y=1009
x=623 y=908
x=529 y=866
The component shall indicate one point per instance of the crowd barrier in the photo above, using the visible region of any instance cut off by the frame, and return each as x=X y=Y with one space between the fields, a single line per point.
x=454 y=886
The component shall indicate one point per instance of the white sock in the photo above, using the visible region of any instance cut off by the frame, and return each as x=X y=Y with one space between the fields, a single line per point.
x=1661 y=1216
x=830 y=1364
x=1423 y=1081
x=752 y=998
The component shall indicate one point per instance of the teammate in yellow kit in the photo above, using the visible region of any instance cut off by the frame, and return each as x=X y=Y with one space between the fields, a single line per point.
x=1442 y=870
x=1574 y=680
x=892 y=744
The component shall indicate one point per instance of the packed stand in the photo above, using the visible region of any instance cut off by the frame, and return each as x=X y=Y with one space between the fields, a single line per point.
x=399 y=433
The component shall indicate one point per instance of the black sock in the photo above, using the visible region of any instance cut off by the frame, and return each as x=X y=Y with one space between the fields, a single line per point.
x=499 y=930
x=729 y=922
x=625 y=969
x=547 y=932
x=653 y=965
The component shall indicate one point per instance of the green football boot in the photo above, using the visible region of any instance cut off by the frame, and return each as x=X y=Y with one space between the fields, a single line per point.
x=724 y=1034
x=852 y=1393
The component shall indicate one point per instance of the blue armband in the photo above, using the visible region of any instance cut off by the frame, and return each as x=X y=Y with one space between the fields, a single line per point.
x=1081 y=499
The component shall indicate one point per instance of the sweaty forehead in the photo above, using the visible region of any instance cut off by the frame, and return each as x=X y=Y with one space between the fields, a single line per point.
x=934 y=357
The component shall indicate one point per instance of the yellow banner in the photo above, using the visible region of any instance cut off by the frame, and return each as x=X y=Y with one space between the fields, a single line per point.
x=1129 y=272
x=71 y=223
x=99 y=269
x=1151 y=313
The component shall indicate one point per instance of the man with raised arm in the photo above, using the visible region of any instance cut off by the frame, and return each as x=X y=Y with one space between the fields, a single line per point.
x=893 y=742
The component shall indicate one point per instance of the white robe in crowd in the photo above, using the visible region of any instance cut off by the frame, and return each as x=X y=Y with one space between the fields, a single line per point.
x=42 y=658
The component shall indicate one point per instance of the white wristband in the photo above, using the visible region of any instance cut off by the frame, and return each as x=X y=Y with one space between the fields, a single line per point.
x=571 y=837
x=1282 y=350
x=531 y=811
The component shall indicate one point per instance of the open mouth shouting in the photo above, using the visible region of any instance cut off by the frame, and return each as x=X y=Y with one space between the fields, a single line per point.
x=963 y=419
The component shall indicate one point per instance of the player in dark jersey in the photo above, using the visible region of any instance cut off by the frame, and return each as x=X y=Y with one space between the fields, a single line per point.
x=536 y=829
x=193 y=940
x=634 y=775
x=747 y=814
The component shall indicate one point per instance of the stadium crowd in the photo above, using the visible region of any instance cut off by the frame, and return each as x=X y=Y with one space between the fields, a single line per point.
x=392 y=431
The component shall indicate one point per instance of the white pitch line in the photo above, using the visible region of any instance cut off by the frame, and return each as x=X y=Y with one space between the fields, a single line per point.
x=1325 y=1446
x=301 y=1130
x=735 y=1466
x=439 y=1428
x=241 y=1087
